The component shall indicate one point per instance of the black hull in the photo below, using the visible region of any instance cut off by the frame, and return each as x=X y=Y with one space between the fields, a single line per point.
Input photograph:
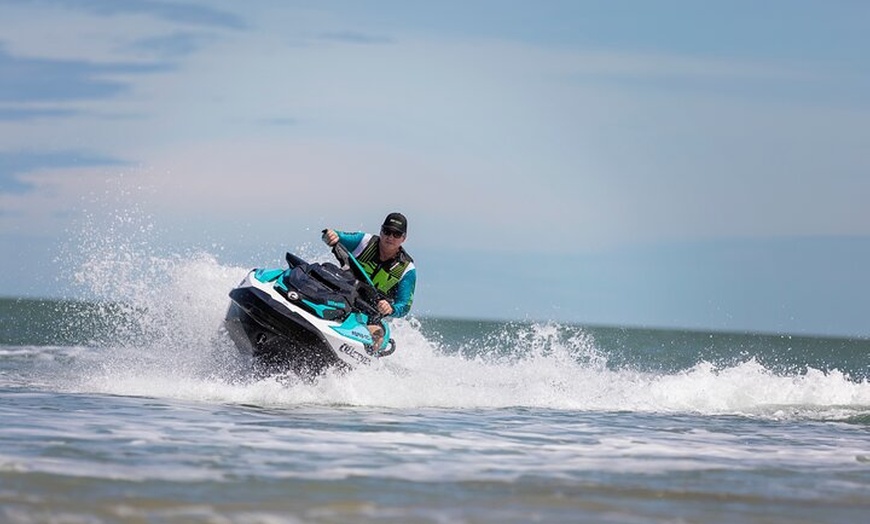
x=279 y=340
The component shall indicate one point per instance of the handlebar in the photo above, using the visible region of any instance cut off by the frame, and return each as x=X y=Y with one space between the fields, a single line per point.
x=369 y=293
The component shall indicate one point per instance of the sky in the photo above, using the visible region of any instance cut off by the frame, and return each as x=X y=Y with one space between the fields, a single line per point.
x=674 y=164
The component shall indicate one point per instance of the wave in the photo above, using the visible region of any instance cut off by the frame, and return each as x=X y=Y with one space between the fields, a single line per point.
x=162 y=337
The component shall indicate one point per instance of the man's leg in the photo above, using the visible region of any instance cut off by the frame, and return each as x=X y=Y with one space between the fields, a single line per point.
x=377 y=335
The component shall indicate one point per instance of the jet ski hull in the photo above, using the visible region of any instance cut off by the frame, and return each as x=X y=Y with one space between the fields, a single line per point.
x=281 y=336
x=278 y=339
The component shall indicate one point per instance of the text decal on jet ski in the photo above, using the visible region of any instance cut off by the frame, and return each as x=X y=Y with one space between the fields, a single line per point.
x=354 y=354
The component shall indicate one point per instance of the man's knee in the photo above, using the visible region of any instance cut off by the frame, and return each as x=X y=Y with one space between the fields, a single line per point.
x=377 y=335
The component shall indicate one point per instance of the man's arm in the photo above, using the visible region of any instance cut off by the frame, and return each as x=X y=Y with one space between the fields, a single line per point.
x=405 y=293
x=348 y=240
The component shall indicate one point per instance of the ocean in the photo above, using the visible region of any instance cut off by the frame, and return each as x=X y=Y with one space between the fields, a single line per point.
x=134 y=407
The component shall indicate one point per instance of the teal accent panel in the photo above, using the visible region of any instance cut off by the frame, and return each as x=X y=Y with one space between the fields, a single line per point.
x=318 y=308
x=354 y=327
x=267 y=275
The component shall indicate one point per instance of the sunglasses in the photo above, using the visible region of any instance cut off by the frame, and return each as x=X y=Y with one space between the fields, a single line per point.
x=392 y=233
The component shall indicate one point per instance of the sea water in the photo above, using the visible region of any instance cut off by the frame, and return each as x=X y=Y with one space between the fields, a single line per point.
x=135 y=407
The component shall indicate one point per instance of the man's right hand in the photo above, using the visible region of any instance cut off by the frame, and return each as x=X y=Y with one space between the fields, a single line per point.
x=330 y=237
x=385 y=308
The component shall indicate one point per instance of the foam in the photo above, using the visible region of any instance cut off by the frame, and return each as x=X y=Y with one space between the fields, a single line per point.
x=176 y=348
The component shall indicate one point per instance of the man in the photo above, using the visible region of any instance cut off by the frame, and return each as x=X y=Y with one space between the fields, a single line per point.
x=386 y=262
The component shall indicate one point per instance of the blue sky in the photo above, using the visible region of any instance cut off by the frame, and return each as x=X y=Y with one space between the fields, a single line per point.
x=671 y=163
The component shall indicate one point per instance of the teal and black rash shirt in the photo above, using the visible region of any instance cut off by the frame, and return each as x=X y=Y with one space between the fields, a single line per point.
x=395 y=278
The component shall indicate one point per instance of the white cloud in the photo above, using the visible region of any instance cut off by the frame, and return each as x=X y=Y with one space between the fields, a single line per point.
x=451 y=126
x=65 y=34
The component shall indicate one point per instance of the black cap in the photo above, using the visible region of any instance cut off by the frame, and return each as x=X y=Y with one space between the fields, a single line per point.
x=396 y=222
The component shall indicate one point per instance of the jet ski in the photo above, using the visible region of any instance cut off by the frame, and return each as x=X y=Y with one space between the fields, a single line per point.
x=309 y=317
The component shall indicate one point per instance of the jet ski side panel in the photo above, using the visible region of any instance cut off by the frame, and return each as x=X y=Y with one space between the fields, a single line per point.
x=279 y=339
